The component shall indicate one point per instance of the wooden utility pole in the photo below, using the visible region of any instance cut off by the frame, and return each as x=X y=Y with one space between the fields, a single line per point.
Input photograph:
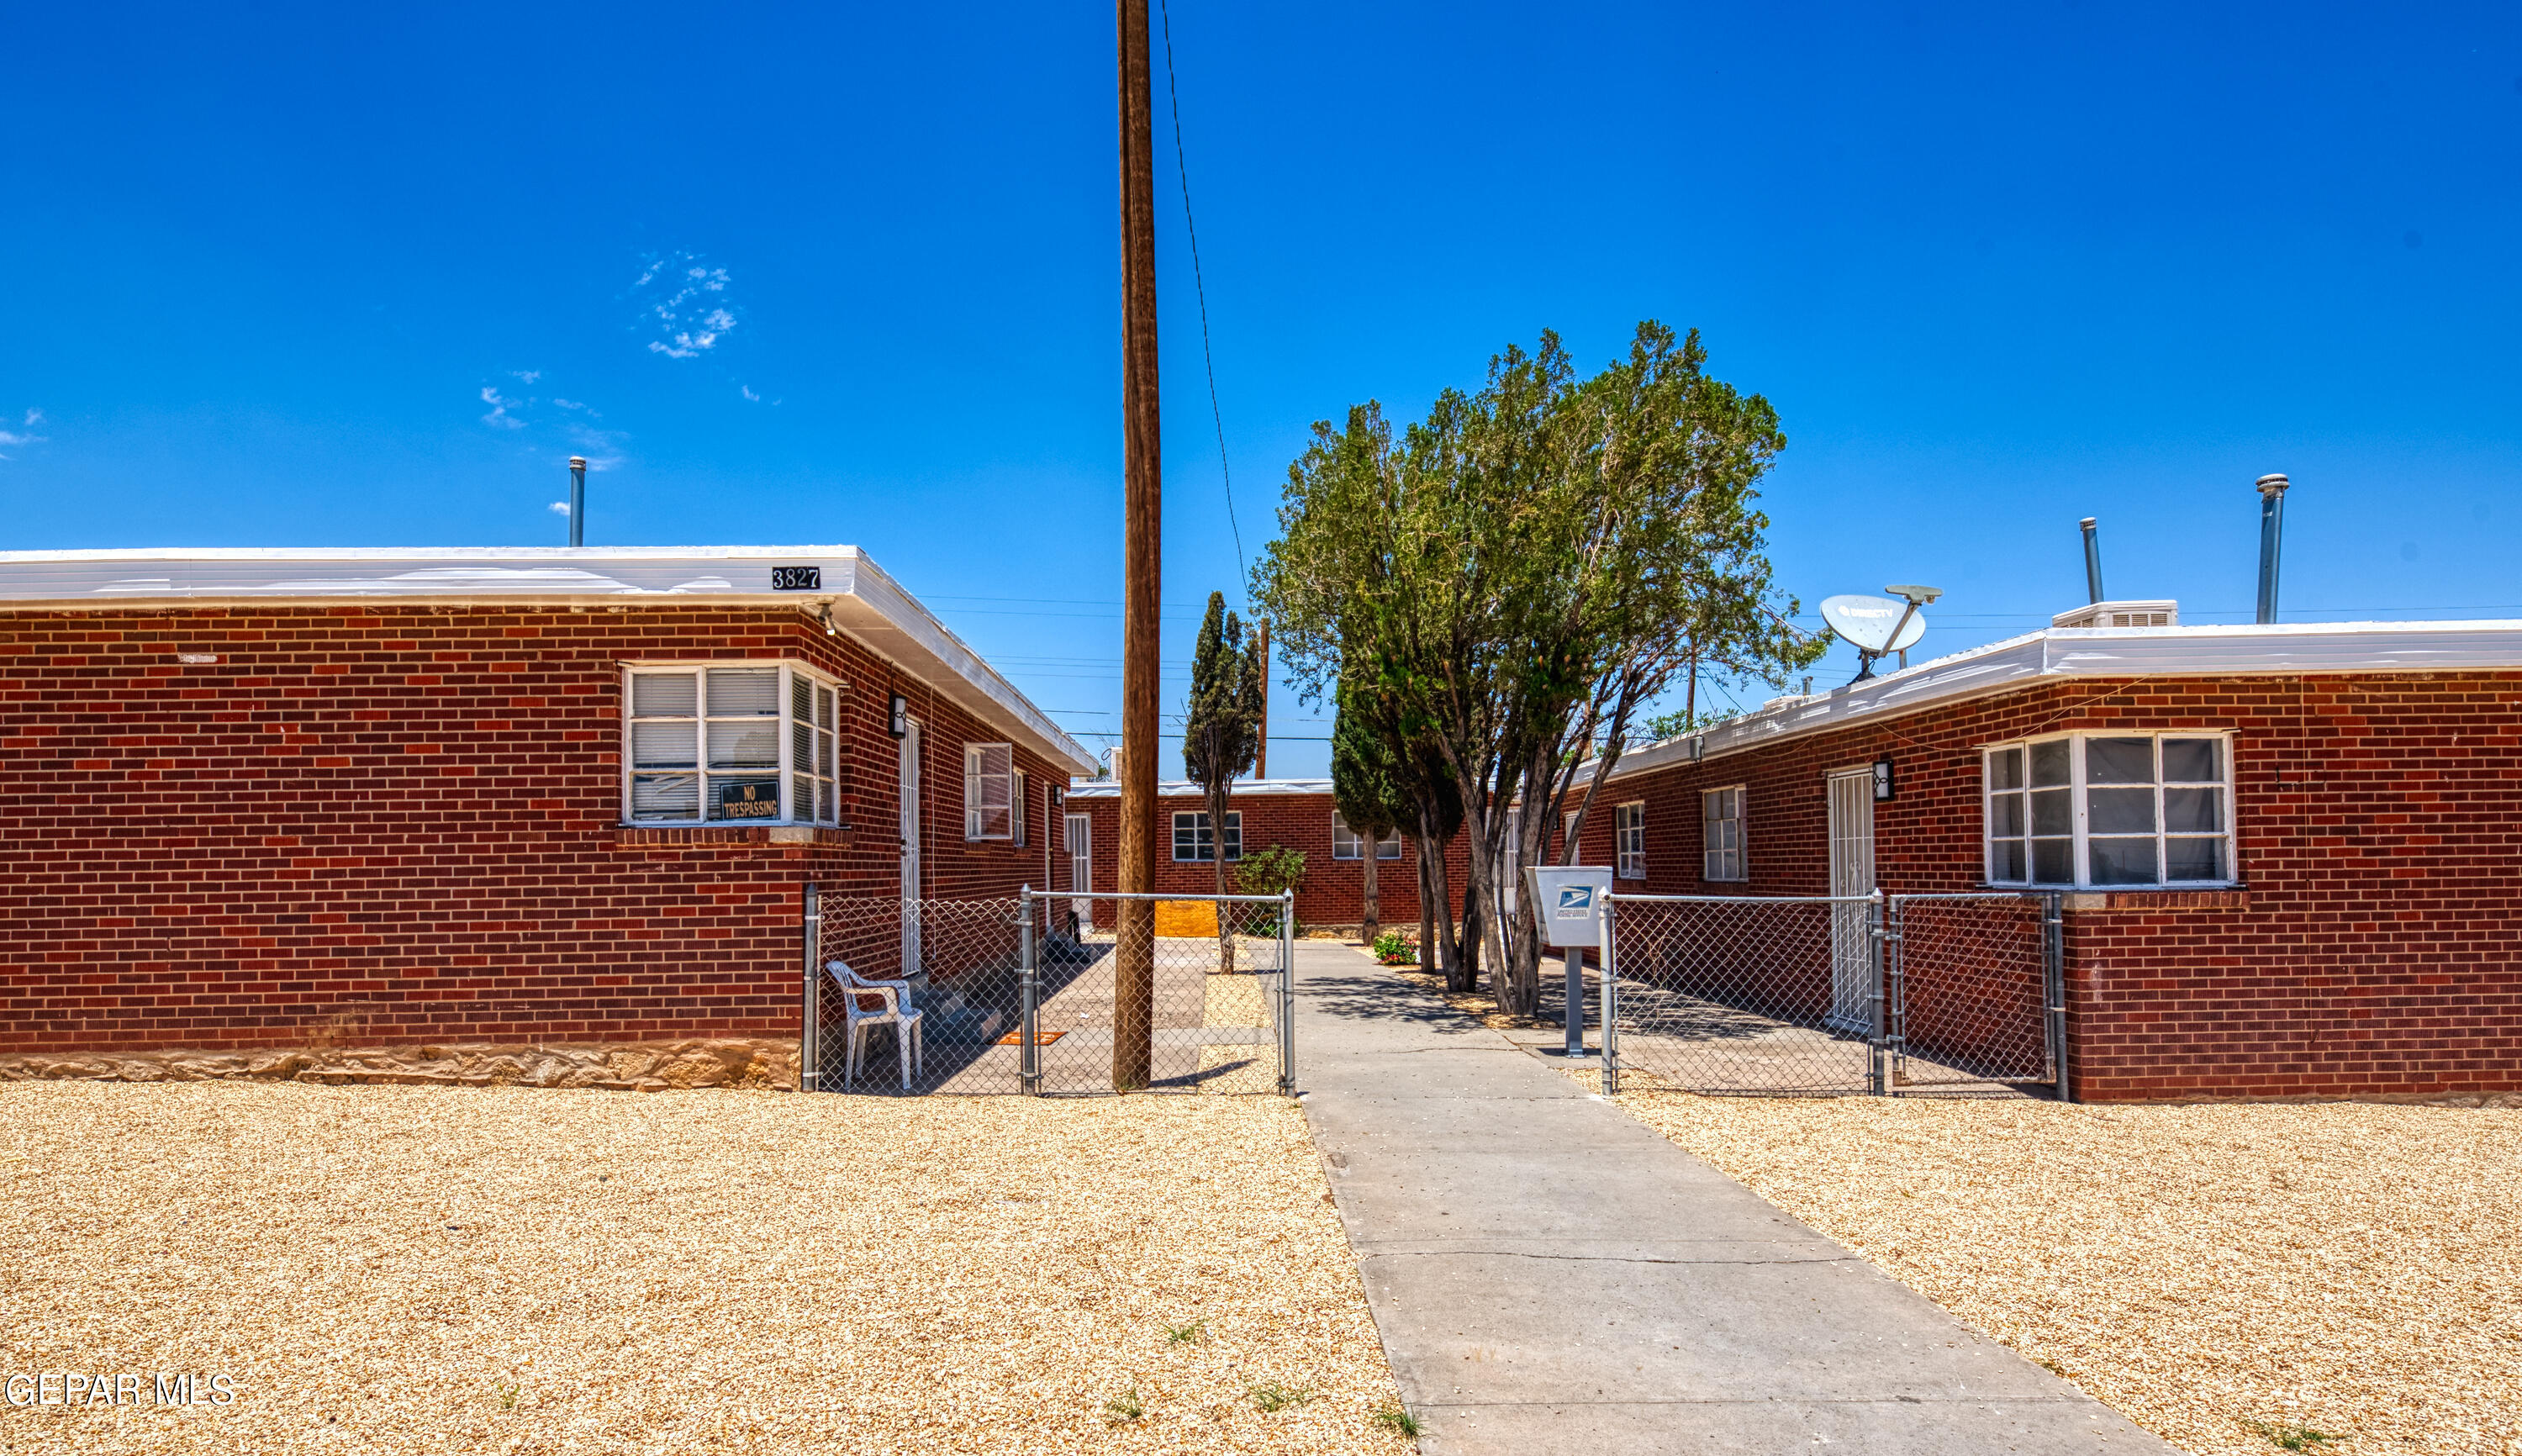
x=1134 y=957
x=1261 y=744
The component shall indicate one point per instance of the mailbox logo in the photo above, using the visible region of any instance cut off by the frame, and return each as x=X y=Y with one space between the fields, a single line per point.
x=1576 y=902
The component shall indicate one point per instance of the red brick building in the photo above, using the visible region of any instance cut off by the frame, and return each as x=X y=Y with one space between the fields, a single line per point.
x=1295 y=812
x=2290 y=852
x=267 y=798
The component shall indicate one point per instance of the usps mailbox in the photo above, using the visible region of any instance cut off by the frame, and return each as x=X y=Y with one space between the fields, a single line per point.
x=1569 y=906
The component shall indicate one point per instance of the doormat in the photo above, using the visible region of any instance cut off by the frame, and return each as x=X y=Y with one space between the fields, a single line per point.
x=1040 y=1038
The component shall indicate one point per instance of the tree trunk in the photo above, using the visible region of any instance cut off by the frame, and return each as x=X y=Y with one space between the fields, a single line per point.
x=1429 y=900
x=1219 y=796
x=1466 y=952
x=1372 y=900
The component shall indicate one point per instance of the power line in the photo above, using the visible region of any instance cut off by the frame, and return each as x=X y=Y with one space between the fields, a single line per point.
x=1173 y=96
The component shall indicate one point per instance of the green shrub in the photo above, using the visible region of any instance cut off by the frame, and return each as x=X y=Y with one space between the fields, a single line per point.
x=1391 y=948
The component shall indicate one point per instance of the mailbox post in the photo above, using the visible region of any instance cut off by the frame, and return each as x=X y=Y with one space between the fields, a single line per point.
x=1570 y=905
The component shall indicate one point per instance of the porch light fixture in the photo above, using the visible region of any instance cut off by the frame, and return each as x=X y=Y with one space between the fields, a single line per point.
x=896 y=716
x=1883 y=780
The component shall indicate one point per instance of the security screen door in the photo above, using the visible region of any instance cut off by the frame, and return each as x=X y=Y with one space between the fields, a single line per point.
x=1852 y=873
x=1081 y=866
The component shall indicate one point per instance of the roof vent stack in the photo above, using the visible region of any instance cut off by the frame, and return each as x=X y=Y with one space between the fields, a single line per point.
x=2273 y=489
x=577 y=501
x=2092 y=559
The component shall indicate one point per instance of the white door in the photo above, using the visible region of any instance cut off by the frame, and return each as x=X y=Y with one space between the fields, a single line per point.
x=1081 y=868
x=1852 y=873
x=910 y=816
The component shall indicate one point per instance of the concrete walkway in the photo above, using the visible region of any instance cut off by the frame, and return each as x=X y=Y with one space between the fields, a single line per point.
x=1549 y=1275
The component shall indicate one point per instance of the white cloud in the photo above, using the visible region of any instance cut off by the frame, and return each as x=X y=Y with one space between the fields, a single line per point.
x=14 y=438
x=500 y=407
x=693 y=318
x=526 y=376
x=560 y=508
x=589 y=411
x=34 y=417
x=747 y=391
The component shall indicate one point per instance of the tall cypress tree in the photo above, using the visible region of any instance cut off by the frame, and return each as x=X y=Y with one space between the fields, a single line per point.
x=1368 y=792
x=1222 y=733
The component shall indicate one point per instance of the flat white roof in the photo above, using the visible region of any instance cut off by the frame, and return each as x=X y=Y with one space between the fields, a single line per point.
x=2286 y=648
x=865 y=603
x=1184 y=788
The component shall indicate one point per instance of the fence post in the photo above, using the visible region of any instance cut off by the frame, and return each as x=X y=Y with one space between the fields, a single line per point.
x=1878 y=938
x=1610 y=997
x=1029 y=1019
x=809 y=1038
x=1287 y=991
x=2053 y=978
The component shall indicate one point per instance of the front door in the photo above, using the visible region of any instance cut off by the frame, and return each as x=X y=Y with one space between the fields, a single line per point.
x=910 y=816
x=1852 y=873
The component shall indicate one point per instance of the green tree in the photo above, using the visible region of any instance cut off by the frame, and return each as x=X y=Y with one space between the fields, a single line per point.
x=1222 y=732
x=1522 y=573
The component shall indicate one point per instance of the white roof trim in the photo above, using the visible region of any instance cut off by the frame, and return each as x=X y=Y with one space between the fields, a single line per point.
x=1184 y=788
x=866 y=602
x=2282 y=648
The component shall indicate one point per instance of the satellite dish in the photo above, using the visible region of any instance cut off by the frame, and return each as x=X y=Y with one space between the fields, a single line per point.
x=1868 y=623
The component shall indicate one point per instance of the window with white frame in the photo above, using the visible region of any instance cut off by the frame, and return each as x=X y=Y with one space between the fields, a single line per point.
x=1720 y=834
x=1194 y=844
x=1348 y=844
x=1629 y=840
x=1017 y=797
x=989 y=790
x=2110 y=809
x=746 y=744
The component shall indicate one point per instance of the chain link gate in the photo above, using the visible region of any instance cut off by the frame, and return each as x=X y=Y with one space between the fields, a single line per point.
x=1977 y=1003
x=1033 y=994
x=1745 y=995
x=1828 y=995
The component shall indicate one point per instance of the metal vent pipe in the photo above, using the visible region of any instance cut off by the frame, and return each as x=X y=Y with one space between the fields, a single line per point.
x=2273 y=489
x=577 y=501
x=2092 y=559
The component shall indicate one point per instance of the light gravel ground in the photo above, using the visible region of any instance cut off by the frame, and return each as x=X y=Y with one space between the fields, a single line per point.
x=2230 y=1276
x=509 y=1270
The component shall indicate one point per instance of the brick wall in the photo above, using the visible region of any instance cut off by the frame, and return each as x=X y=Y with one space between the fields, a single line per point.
x=2372 y=950
x=402 y=822
x=1333 y=890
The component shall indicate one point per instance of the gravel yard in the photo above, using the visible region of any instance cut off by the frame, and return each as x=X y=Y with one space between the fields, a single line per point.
x=509 y=1270
x=2235 y=1278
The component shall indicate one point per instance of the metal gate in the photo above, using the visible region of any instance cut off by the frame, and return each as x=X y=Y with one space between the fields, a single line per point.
x=1835 y=995
x=1048 y=994
x=1976 y=999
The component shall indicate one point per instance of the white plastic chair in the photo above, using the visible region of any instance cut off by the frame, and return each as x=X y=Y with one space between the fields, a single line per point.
x=895 y=1010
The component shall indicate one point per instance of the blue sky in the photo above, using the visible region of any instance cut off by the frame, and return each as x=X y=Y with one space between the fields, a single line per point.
x=309 y=276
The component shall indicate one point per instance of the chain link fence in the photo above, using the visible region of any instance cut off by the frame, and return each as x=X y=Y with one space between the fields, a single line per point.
x=1048 y=995
x=1774 y=996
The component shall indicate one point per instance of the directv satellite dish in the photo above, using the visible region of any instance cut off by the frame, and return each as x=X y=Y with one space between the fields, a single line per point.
x=1877 y=626
x=1868 y=623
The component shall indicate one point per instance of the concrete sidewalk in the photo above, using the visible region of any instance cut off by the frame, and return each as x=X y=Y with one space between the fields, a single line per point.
x=1550 y=1275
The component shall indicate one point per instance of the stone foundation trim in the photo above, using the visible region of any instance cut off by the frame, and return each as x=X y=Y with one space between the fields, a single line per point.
x=768 y=1064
